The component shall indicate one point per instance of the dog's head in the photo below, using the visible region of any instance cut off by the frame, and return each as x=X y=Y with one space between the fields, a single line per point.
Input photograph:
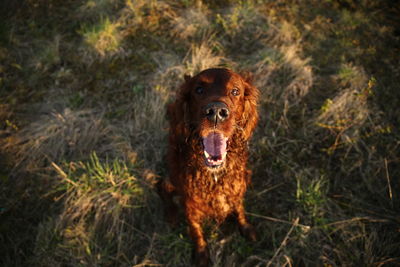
x=216 y=104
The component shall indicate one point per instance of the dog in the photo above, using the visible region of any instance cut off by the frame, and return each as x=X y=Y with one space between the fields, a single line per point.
x=211 y=122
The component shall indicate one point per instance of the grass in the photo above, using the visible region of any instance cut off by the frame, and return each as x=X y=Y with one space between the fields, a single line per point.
x=102 y=201
x=103 y=37
x=83 y=90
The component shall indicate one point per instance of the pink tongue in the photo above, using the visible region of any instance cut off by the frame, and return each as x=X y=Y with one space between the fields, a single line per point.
x=215 y=144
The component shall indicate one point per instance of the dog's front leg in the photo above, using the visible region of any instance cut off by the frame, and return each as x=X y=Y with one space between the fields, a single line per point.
x=201 y=253
x=246 y=229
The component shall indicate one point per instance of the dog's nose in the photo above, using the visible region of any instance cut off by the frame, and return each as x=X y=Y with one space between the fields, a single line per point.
x=216 y=111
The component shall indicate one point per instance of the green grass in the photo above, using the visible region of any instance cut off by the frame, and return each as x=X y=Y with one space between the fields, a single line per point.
x=103 y=200
x=103 y=37
x=83 y=134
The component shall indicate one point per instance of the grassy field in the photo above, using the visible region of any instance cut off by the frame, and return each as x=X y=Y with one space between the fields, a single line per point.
x=83 y=89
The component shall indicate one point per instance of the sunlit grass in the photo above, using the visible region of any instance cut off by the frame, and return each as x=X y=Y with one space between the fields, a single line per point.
x=102 y=202
x=103 y=37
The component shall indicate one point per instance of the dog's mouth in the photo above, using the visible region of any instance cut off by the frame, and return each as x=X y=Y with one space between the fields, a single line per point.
x=215 y=149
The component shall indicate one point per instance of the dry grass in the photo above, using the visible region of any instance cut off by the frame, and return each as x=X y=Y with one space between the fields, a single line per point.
x=191 y=24
x=103 y=203
x=104 y=38
x=58 y=136
x=83 y=130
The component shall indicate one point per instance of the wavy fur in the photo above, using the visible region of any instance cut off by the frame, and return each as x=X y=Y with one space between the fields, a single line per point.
x=207 y=193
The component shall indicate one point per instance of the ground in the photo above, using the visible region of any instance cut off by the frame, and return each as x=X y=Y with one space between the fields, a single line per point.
x=83 y=90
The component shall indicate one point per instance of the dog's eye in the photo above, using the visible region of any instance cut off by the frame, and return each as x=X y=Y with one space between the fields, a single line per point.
x=199 y=90
x=235 y=92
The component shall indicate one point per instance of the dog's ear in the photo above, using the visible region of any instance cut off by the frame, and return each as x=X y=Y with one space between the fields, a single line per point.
x=249 y=117
x=177 y=112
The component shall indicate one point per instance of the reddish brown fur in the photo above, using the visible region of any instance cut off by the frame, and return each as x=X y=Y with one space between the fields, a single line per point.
x=205 y=192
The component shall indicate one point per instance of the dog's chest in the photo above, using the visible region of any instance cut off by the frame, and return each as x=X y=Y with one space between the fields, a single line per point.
x=217 y=193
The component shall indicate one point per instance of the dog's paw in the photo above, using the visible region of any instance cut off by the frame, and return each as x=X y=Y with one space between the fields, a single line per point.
x=248 y=232
x=202 y=258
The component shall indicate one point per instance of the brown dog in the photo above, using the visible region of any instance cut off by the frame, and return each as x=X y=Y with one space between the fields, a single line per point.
x=211 y=121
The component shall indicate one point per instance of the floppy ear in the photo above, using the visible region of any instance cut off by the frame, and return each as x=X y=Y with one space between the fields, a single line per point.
x=177 y=114
x=250 y=114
